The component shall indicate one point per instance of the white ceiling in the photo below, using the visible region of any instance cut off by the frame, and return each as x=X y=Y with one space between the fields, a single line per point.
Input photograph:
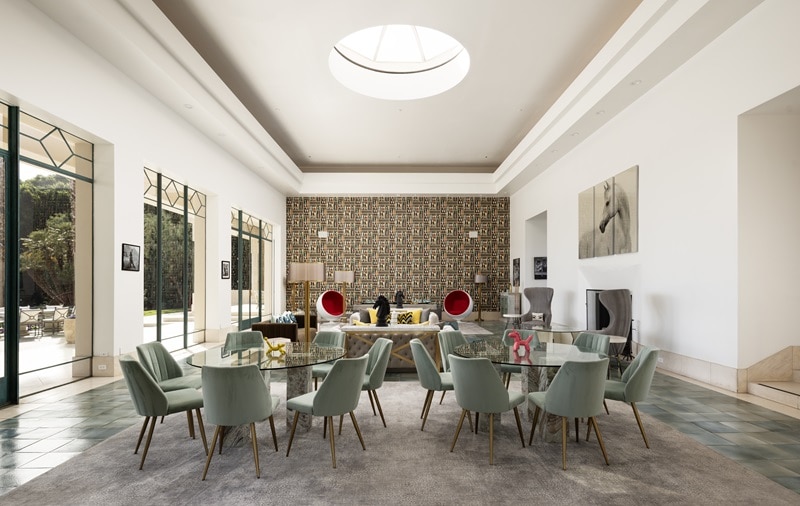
x=253 y=75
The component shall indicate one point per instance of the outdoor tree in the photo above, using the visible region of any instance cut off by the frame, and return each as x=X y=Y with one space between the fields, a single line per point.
x=47 y=256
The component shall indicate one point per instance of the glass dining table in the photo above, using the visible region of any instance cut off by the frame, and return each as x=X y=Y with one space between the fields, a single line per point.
x=297 y=360
x=539 y=365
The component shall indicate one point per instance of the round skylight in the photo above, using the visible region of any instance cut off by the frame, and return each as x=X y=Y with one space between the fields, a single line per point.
x=399 y=62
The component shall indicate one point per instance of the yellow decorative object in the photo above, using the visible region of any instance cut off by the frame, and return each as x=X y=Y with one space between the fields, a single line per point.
x=280 y=347
x=373 y=315
x=416 y=315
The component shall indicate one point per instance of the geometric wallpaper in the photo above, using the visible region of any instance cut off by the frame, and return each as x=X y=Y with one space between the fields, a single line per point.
x=419 y=245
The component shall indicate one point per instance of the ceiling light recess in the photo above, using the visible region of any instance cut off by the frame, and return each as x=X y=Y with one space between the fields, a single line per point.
x=399 y=62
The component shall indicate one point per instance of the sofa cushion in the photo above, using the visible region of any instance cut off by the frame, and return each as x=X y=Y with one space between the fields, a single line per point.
x=373 y=315
x=363 y=316
x=406 y=317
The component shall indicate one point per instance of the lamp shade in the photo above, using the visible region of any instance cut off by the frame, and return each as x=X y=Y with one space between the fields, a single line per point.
x=344 y=276
x=481 y=278
x=313 y=271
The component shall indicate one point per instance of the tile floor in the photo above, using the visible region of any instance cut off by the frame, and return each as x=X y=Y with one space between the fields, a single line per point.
x=49 y=428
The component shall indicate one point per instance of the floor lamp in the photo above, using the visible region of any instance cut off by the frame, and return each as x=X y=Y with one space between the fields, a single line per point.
x=345 y=278
x=480 y=280
x=306 y=273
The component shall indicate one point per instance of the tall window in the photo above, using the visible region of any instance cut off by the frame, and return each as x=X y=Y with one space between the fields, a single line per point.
x=174 y=262
x=46 y=254
x=252 y=269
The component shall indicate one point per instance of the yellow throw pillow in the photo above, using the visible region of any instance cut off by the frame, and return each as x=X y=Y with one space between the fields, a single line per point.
x=373 y=315
x=358 y=322
x=416 y=314
x=405 y=318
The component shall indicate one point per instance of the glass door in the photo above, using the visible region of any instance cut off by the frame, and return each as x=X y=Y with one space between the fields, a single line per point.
x=7 y=348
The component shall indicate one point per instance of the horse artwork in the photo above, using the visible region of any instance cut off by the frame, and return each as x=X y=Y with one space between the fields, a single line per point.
x=608 y=216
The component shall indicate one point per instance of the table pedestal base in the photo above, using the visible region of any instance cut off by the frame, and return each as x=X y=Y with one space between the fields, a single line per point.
x=537 y=379
x=298 y=382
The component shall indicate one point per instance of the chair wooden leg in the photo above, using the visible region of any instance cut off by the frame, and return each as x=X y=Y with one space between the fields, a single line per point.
x=443 y=392
x=291 y=434
x=426 y=408
x=425 y=403
x=577 y=427
x=147 y=443
x=507 y=379
x=641 y=427
x=358 y=430
x=458 y=429
x=606 y=406
x=341 y=417
x=315 y=383
x=141 y=434
x=533 y=425
x=593 y=422
x=221 y=439
x=202 y=430
x=217 y=430
x=564 y=442
x=519 y=426
x=469 y=419
x=476 y=422
x=588 y=430
x=272 y=426
x=333 y=445
x=491 y=439
x=255 y=448
x=162 y=419
x=324 y=427
x=371 y=403
x=191 y=423
x=378 y=403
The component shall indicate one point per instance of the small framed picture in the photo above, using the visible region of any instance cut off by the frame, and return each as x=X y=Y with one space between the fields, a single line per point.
x=130 y=257
x=226 y=269
x=539 y=267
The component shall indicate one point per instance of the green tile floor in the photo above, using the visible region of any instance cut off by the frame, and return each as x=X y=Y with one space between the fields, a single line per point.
x=62 y=426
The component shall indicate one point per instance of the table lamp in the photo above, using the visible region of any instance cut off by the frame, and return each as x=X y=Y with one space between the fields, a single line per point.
x=306 y=273
x=480 y=280
x=345 y=278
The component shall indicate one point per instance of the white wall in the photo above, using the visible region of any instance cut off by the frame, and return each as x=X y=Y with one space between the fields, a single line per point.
x=56 y=77
x=769 y=236
x=683 y=136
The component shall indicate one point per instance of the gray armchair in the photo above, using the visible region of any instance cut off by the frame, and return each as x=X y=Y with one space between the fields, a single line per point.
x=539 y=300
x=618 y=303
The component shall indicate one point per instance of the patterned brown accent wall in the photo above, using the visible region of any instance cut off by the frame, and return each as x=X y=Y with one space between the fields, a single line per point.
x=420 y=245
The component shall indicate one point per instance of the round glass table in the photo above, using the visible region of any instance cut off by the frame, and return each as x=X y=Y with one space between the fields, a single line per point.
x=297 y=360
x=539 y=366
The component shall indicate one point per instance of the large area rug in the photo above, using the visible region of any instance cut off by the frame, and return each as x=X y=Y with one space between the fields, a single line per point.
x=405 y=466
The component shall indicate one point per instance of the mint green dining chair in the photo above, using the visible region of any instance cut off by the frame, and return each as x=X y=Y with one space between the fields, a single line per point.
x=590 y=341
x=162 y=366
x=243 y=340
x=237 y=396
x=508 y=369
x=479 y=388
x=378 y=361
x=575 y=392
x=150 y=401
x=634 y=386
x=327 y=339
x=338 y=394
x=429 y=376
x=448 y=340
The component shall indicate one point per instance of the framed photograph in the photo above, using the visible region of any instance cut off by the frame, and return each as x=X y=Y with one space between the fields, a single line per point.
x=226 y=269
x=130 y=257
x=539 y=267
x=515 y=273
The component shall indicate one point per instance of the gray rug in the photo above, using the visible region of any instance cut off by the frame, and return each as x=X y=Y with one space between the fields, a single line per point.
x=405 y=466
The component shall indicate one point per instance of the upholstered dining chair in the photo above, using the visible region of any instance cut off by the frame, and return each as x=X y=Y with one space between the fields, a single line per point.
x=575 y=392
x=237 y=396
x=337 y=395
x=448 y=340
x=540 y=299
x=634 y=385
x=429 y=377
x=379 y=355
x=328 y=339
x=591 y=341
x=457 y=305
x=243 y=340
x=150 y=401
x=479 y=388
x=163 y=367
x=508 y=369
